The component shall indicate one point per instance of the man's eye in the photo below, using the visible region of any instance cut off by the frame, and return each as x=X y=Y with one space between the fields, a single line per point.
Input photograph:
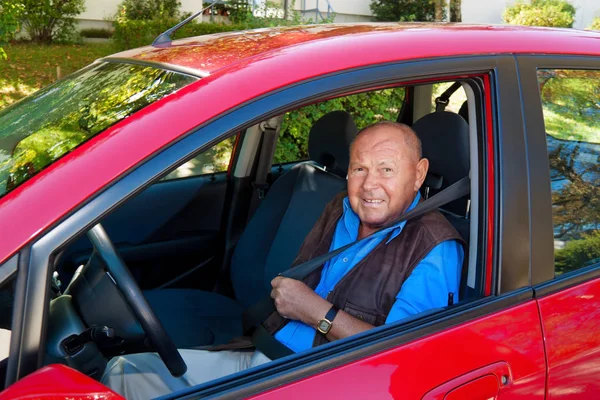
x=358 y=169
x=387 y=170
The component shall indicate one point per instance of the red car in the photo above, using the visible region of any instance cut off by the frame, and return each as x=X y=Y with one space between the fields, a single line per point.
x=148 y=199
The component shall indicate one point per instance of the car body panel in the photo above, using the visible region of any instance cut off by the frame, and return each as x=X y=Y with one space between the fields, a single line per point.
x=571 y=324
x=412 y=370
x=56 y=382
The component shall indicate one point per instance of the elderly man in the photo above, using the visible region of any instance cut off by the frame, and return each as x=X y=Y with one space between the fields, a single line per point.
x=401 y=271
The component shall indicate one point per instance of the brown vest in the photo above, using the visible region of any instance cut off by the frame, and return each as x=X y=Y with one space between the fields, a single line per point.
x=369 y=289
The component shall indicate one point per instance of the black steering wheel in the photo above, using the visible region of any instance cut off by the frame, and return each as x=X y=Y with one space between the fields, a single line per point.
x=127 y=285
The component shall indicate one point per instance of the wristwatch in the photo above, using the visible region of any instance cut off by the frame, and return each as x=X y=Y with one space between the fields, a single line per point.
x=324 y=325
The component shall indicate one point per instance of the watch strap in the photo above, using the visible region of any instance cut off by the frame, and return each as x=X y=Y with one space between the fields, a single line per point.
x=331 y=314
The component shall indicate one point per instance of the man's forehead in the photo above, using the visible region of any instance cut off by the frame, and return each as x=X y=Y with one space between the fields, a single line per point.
x=382 y=140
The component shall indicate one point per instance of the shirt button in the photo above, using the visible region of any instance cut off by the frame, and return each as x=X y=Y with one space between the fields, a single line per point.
x=345 y=259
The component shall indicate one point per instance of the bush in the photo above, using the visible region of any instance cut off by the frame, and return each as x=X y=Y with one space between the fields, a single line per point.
x=578 y=253
x=101 y=33
x=148 y=9
x=595 y=24
x=131 y=34
x=47 y=20
x=404 y=10
x=552 y=13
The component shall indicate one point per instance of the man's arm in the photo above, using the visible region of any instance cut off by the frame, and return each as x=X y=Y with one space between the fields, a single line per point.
x=430 y=282
x=294 y=300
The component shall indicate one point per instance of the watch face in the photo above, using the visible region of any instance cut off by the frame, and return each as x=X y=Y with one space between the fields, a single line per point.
x=324 y=326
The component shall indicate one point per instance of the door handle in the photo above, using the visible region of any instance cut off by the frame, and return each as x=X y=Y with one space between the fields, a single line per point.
x=484 y=383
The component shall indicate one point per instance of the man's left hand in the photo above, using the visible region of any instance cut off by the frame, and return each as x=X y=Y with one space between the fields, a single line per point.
x=294 y=300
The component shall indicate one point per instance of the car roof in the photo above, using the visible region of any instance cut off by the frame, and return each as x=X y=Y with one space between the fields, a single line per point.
x=211 y=53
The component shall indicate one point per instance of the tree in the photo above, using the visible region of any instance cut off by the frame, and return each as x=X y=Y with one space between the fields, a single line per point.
x=10 y=11
x=595 y=24
x=455 y=11
x=405 y=10
x=553 y=13
x=48 y=20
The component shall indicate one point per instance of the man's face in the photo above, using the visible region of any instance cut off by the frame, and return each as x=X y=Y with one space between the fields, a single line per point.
x=383 y=177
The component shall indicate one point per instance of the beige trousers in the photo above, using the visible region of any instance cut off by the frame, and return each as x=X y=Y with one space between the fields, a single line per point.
x=144 y=376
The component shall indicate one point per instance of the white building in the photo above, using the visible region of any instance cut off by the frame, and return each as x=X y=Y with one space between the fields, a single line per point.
x=473 y=11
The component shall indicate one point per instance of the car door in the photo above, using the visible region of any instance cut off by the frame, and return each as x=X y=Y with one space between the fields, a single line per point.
x=488 y=348
x=564 y=129
x=493 y=341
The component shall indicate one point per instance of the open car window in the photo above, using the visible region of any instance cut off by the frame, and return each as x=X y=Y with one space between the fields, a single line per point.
x=42 y=128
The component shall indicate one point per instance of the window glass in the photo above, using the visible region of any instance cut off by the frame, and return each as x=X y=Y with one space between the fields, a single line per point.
x=571 y=106
x=366 y=109
x=214 y=160
x=456 y=99
x=45 y=126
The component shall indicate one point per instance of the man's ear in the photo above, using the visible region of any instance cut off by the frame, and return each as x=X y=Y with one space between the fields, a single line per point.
x=422 y=168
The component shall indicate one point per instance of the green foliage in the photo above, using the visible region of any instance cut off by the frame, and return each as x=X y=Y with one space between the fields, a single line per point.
x=239 y=11
x=47 y=20
x=403 y=10
x=66 y=114
x=133 y=33
x=101 y=33
x=10 y=12
x=595 y=24
x=552 y=13
x=366 y=109
x=148 y=9
x=578 y=253
x=571 y=100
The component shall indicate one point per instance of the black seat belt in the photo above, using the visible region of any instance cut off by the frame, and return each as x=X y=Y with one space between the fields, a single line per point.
x=442 y=101
x=265 y=158
x=254 y=316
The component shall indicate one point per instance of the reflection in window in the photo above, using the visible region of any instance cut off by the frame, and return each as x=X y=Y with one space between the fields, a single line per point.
x=571 y=106
x=47 y=125
x=212 y=161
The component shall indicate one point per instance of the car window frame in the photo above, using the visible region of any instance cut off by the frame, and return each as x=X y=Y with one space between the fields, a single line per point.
x=250 y=113
x=543 y=278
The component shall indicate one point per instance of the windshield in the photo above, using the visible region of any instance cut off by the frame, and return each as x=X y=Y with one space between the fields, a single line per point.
x=40 y=129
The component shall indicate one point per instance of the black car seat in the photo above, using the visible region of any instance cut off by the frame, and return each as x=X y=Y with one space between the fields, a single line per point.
x=445 y=141
x=269 y=243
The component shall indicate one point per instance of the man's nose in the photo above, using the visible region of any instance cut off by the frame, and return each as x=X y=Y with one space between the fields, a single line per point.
x=371 y=182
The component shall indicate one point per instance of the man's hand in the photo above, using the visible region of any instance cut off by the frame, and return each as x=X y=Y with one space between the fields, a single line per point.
x=294 y=300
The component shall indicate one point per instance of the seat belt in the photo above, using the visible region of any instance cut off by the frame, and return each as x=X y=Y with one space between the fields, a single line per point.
x=442 y=101
x=270 y=132
x=253 y=316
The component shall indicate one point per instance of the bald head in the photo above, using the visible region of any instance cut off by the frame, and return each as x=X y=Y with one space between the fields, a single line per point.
x=411 y=141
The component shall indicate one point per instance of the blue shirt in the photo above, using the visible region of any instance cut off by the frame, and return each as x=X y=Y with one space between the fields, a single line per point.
x=427 y=286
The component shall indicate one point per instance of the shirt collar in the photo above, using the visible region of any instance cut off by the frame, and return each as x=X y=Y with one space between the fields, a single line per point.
x=352 y=222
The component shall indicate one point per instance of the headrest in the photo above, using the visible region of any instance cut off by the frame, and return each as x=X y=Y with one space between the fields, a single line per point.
x=445 y=140
x=329 y=141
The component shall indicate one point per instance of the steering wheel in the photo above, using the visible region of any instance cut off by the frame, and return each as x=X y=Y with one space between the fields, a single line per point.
x=127 y=285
